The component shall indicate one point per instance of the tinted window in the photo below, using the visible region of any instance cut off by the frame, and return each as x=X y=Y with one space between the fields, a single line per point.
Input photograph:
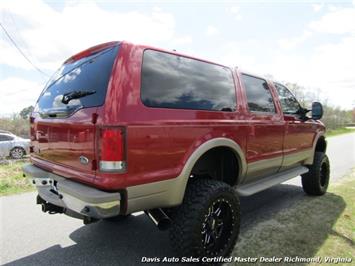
x=171 y=81
x=289 y=103
x=91 y=73
x=258 y=94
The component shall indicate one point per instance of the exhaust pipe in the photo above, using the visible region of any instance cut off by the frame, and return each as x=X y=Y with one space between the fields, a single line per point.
x=159 y=218
x=89 y=220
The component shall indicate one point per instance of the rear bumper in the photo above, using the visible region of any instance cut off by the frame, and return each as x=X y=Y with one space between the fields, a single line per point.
x=70 y=195
x=91 y=202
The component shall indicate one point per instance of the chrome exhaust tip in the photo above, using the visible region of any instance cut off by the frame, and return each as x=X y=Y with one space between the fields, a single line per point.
x=159 y=218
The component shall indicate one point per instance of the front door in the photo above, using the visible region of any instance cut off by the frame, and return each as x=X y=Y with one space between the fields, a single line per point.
x=299 y=133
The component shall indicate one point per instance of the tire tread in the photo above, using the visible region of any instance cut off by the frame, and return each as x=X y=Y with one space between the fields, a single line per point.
x=310 y=180
x=184 y=231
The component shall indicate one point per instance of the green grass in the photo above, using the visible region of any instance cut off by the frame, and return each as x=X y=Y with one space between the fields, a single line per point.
x=313 y=226
x=11 y=179
x=341 y=238
x=339 y=131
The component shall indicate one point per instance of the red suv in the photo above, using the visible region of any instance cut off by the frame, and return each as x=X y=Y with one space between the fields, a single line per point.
x=122 y=128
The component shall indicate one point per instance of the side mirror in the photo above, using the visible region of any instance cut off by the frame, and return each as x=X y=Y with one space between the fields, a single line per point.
x=317 y=110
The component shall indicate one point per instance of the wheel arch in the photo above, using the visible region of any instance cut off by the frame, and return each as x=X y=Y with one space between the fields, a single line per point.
x=319 y=145
x=18 y=146
x=200 y=152
x=218 y=163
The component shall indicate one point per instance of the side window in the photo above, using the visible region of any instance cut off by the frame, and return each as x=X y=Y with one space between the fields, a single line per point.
x=258 y=94
x=5 y=138
x=10 y=138
x=171 y=81
x=289 y=103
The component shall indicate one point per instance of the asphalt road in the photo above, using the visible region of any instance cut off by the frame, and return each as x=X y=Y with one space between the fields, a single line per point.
x=30 y=237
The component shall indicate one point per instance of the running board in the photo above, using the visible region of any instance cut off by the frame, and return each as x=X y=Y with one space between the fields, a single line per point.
x=269 y=181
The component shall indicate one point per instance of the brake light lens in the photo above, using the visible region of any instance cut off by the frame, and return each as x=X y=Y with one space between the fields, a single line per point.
x=112 y=150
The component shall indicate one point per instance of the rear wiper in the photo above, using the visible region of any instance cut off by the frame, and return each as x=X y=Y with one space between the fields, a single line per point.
x=58 y=112
x=228 y=109
x=67 y=97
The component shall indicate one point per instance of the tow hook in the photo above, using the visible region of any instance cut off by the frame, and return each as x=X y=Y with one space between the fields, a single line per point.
x=51 y=209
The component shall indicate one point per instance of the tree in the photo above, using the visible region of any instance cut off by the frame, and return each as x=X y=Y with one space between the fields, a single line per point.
x=333 y=118
x=299 y=92
x=25 y=112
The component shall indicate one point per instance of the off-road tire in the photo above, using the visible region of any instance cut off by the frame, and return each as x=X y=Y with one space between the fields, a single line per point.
x=316 y=181
x=17 y=153
x=189 y=219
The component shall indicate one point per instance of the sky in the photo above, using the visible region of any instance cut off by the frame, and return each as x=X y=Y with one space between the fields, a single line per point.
x=311 y=43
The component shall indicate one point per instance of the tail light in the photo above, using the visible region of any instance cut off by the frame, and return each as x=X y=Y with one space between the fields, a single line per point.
x=112 y=152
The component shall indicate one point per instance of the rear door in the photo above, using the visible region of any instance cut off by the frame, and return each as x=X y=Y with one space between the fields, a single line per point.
x=63 y=122
x=266 y=129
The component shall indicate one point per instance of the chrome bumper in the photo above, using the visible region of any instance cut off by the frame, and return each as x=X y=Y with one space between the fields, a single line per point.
x=70 y=195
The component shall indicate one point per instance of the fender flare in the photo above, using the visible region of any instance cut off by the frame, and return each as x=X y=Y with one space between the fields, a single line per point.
x=309 y=161
x=182 y=179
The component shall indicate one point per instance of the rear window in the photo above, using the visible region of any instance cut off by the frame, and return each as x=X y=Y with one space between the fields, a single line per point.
x=89 y=74
x=171 y=81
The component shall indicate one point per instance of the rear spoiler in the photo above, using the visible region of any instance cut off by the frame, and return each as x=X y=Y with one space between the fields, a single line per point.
x=90 y=51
